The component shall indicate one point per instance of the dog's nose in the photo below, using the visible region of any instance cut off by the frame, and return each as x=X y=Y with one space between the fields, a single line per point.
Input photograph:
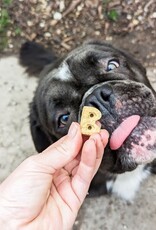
x=99 y=97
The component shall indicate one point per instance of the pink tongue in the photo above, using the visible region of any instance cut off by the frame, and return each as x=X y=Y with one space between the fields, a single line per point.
x=122 y=132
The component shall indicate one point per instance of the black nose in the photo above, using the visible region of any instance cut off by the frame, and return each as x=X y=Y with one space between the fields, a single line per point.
x=100 y=97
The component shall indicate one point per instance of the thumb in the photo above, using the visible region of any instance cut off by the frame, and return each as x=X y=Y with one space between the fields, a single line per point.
x=63 y=151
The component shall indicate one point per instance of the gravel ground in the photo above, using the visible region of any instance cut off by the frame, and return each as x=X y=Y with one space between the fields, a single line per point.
x=64 y=24
x=104 y=213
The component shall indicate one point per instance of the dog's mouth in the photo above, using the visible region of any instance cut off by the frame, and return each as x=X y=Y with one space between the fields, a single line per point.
x=128 y=113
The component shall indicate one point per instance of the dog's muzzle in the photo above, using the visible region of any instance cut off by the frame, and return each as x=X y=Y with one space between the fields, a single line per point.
x=125 y=108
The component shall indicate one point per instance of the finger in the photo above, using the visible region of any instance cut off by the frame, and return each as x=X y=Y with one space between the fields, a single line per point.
x=104 y=136
x=85 y=171
x=92 y=153
x=99 y=151
x=99 y=144
x=102 y=140
x=91 y=159
x=63 y=151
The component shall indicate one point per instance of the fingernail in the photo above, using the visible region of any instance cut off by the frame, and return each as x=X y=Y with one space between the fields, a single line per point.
x=104 y=137
x=93 y=139
x=72 y=130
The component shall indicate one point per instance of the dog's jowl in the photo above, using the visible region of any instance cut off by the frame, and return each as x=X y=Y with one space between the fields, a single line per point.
x=96 y=74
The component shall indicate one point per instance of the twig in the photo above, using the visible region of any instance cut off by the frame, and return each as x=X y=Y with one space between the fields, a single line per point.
x=71 y=7
x=64 y=45
x=147 y=5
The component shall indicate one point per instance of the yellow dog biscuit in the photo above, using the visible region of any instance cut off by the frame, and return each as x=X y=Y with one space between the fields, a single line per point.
x=89 y=117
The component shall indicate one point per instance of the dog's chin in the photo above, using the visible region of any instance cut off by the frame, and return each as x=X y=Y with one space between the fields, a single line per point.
x=124 y=164
x=122 y=160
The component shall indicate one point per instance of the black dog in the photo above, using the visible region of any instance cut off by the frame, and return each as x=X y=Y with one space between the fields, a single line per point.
x=99 y=75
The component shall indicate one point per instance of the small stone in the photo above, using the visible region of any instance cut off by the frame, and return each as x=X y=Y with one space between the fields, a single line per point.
x=109 y=38
x=58 y=31
x=47 y=35
x=135 y=22
x=9 y=33
x=42 y=24
x=83 y=34
x=133 y=41
x=30 y=23
x=32 y=36
x=76 y=222
x=57 y=16
x=140 y=18
x=97 y=33
x=11 y=46
x=153 y=54
x=53 y=22
x=129 y=17
x=153 y=15
x=79 y=8
x=62 y=6
x=77 y=13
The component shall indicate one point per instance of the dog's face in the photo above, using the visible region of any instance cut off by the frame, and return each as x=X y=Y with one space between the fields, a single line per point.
x=98 y=75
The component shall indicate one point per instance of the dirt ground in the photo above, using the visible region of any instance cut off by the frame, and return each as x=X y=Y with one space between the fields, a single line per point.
x=62 y=25
x=129 y=24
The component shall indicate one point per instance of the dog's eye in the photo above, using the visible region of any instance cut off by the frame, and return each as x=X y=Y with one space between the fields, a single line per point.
x=63 y=119
x=112 y=65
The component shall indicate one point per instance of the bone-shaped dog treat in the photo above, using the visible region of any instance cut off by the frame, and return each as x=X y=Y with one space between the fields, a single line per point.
x=89 y=117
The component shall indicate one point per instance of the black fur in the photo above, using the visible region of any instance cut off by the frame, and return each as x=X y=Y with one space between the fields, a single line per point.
x=62 y=91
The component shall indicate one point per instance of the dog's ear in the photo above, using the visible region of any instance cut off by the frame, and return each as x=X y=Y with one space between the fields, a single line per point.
x=35 y=57
x=40 y=138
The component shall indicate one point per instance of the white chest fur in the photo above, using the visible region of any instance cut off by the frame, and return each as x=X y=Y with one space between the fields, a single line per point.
x=127 y=184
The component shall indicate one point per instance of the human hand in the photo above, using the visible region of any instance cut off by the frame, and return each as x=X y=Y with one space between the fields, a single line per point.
x=47 y=189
